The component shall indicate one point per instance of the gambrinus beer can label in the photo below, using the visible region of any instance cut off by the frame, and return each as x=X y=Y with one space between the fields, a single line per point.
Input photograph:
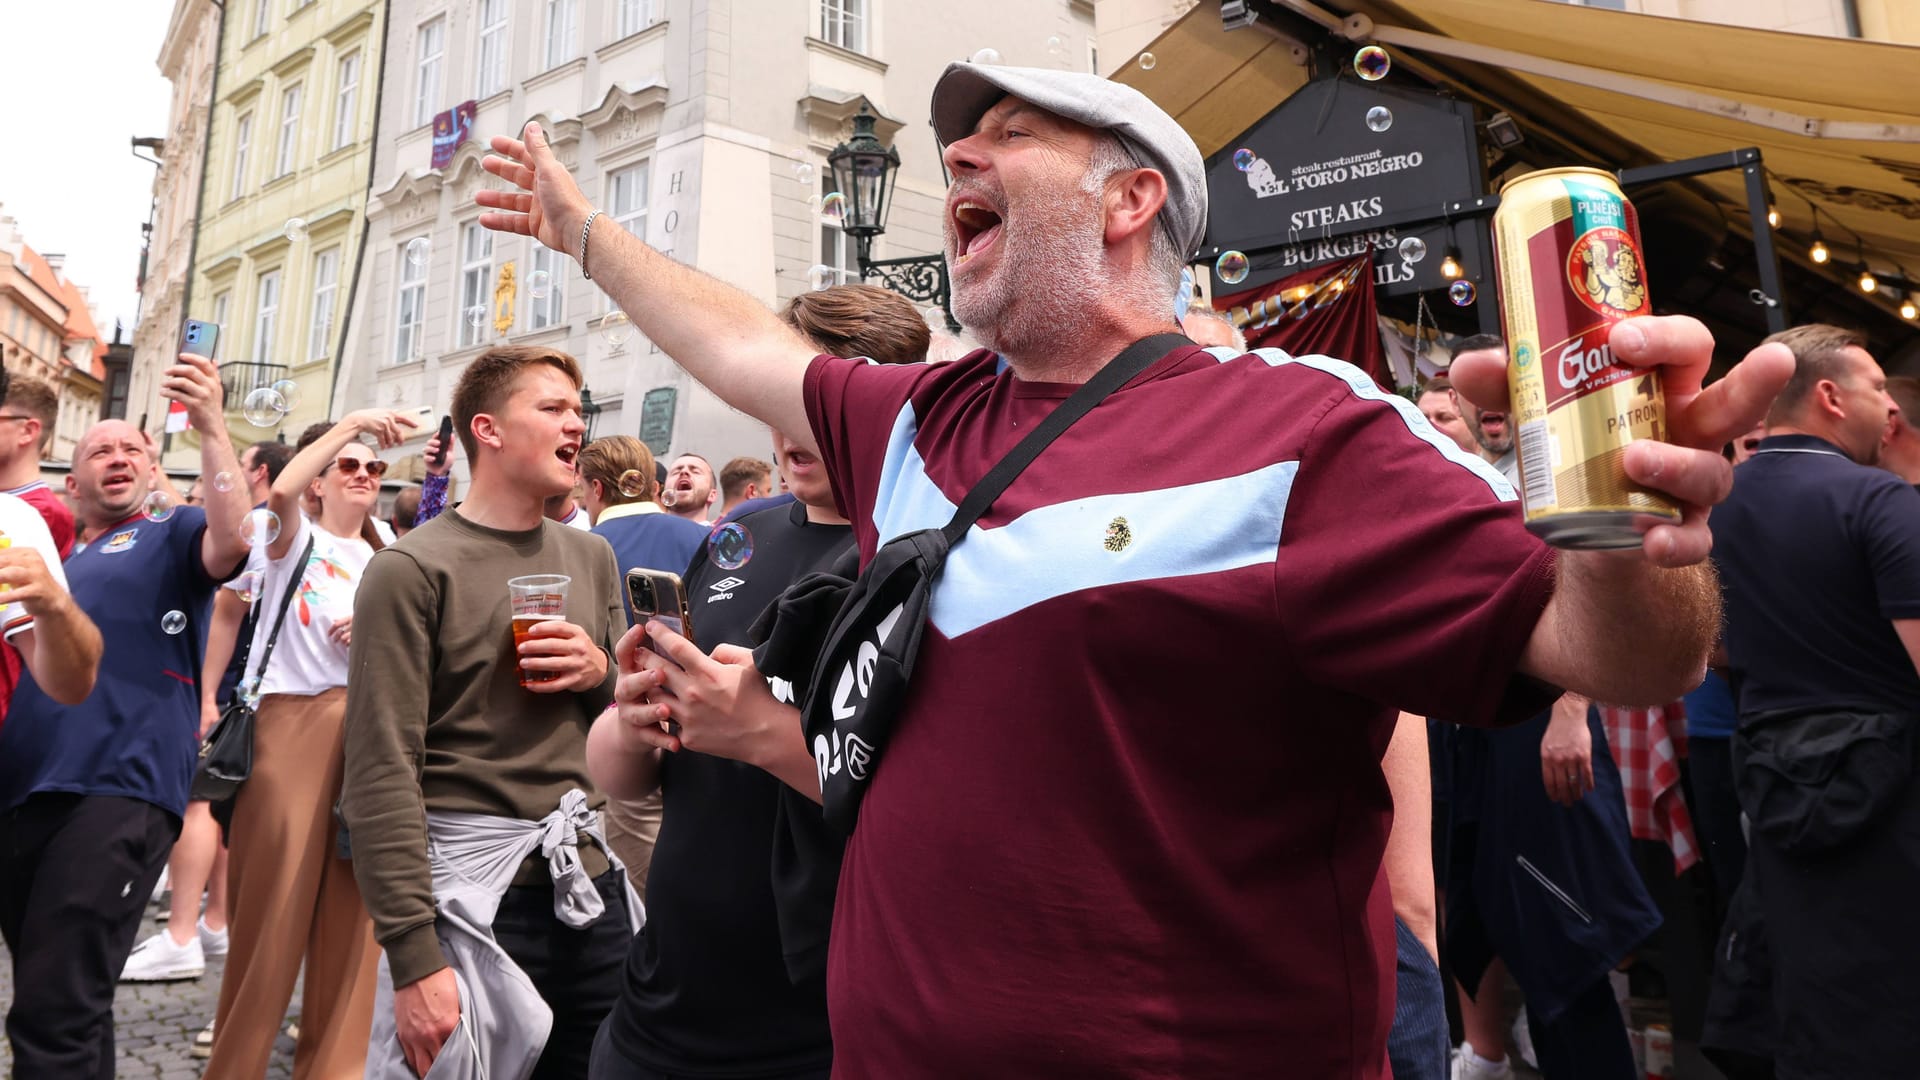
x=1567 y=245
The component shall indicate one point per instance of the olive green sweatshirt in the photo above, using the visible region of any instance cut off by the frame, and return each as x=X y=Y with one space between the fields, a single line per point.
x=437 y=719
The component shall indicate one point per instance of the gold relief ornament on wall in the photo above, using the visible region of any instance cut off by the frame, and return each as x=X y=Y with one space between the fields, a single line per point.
x=503 y=300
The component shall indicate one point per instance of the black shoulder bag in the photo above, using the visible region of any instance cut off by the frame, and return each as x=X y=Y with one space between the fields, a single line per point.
x=849 y=646
x=226 y=755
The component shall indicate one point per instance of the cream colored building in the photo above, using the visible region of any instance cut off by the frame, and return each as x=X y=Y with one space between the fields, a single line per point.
x=280 y=222
x=47 y=330
x=703 y=125
x=186 y=59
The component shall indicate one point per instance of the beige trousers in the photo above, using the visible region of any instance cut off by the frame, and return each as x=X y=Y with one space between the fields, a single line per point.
x=632 y=829
x=290 y=897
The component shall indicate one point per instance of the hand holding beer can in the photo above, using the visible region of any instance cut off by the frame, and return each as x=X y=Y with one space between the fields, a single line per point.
x=1567 y=245
x=536 y=598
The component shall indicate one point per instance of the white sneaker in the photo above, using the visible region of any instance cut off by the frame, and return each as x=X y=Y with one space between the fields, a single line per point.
x=1523 y=1040
x=203 y=1042
x=158 y=959
x=161 y=887
x=1468 y=1065
x=212 y=942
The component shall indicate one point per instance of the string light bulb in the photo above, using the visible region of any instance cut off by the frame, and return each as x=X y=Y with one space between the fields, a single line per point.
x=1907 y=308
x=1773 y=216
x=1867 y=282
x=1450 y=266
x=1818 y=252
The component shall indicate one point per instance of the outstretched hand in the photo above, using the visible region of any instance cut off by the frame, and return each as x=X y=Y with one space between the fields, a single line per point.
x=1686 y=466
x=544 y=202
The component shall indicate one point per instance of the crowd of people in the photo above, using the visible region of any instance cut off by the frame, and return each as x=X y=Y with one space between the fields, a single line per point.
x=1212 y=763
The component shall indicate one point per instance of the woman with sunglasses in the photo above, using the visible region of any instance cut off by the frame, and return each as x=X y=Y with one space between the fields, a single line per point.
x=290 y=892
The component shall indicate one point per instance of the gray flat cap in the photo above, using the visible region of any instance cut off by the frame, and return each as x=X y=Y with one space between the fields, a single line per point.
x=966 y=91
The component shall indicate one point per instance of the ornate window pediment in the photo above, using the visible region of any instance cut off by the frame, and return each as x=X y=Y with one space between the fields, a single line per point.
x=629 y=113
x=829 y=115
x=413 y=197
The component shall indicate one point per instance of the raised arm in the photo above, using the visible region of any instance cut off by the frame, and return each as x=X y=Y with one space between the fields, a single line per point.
x=60 y=645
x=720 y=335
x=1635 y=628
x=195 y=383
x=385 y=425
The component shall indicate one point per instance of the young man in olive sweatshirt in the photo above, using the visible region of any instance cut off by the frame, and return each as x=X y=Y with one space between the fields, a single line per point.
x=438 y=721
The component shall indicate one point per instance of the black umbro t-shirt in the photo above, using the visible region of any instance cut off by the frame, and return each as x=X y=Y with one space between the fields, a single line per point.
x=1817 y=555
x=708 y=993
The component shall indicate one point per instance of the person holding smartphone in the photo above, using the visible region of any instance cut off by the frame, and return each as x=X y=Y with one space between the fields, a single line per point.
x=728 y=977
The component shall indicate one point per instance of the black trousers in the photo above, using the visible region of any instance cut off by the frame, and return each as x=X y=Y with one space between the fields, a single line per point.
x=75 y=875
x=577 y=972
x=609 y=1064
x=1587 y=1041
x=1716 y=813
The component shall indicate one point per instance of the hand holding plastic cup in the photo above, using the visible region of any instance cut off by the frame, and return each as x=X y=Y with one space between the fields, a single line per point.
x=536 y=598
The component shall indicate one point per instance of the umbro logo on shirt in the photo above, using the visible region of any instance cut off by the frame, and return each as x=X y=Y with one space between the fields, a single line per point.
x=723 y=589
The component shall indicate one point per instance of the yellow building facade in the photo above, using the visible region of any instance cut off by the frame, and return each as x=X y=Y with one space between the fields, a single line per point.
x=282 y=213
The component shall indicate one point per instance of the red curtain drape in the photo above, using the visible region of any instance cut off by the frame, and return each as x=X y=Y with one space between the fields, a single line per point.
x=1327 y=310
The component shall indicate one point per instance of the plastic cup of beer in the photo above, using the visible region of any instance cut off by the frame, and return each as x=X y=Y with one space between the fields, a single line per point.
x=536 y=598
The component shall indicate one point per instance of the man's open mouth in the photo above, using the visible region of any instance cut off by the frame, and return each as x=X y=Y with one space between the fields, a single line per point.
x=1493 y=421
x=567 y=453
x=976 y=226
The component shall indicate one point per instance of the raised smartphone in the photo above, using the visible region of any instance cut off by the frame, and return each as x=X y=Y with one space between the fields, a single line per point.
x=658 y=594
x=446 y=442
x=199 y=337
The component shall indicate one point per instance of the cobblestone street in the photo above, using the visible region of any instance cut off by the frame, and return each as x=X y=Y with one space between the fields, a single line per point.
x=154 y=1023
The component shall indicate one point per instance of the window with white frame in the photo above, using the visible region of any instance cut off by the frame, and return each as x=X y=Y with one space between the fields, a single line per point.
x=476 y=276
x=836 y=251
x=492 y=65
x=627 y=202
x=844 y=23
x=242 y=149
x=262 y=9
x=326 y=292
x=633 y=16
x=289 y=145
x=266 y=316
x=410 y=309
x=551 y=309
x=561 y=31
x=346 y=100
x=429 y=61
x=222 y=300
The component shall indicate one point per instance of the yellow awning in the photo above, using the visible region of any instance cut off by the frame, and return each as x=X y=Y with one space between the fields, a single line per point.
x=1837 y=120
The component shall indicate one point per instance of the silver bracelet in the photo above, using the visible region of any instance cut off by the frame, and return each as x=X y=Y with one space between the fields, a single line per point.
x=584 y=230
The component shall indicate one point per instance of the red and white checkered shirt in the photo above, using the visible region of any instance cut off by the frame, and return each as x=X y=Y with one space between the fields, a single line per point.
x=1647 y=746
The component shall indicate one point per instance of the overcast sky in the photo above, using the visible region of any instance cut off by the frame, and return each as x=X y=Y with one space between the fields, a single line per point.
x=82 y=80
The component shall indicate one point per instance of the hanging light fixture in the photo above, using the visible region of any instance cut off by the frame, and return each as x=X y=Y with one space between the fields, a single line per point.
x=1450 y=266
x=1818 y=252
x=1907 y=308
x=1867 y=281
x=1773 y=216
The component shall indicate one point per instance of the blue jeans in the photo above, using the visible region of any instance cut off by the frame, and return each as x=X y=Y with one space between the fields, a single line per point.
x=1417 y=1044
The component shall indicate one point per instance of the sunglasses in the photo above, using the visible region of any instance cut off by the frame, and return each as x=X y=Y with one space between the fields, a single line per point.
x=350 y=466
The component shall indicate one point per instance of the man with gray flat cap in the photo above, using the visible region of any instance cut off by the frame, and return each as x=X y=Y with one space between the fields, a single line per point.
x=1129 y=819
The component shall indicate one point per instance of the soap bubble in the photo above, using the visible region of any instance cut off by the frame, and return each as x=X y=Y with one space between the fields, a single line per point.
x=540 y=284
x=803 y=171
x=1372 y=63
x=1056 y=45
x=1147 y=61
x=1379 y=118
x=260 y=527
x=477 y=316
x=290 y=394
x=296 y=230
x=417 y=251
x=247 y=586
x=1413 y=249
x=731 y=546
x=616 y=328
x=833 y=210
x=936 y=317
x=1461 y=292
x=820 y=276
x=986 y=56
x=248 y=690
x=158 y=507
x=173 y=622
x=633 y=483
x=1243 y=159
x=264 y=407
x=223 y=481
x=1231 y=267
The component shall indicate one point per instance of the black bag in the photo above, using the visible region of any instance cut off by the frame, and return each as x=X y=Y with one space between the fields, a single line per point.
x=849 y=646
x=1811 y=780
x=226 y=755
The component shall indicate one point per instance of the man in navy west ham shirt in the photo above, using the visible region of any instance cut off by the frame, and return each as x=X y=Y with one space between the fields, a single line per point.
x=91 y=795
x=1819 y=553
x=1130 y=818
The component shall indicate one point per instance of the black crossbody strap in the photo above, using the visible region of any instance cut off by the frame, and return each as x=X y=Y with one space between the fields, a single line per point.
x=1132 y=360
x=293 y=586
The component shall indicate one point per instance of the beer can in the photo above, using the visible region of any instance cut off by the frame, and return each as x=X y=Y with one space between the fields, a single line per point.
x=1567 y=248
x=1659 y=1042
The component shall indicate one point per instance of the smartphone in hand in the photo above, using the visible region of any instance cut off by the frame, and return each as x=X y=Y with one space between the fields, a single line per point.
x=439 y=460
x=199 y=337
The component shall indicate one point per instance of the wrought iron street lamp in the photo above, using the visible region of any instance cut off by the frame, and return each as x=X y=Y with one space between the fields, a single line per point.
x=863 y=172
x=589 y=412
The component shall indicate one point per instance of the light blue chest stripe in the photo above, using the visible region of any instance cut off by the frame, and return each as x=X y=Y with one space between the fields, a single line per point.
x=1365 y=388
x=1053 y=551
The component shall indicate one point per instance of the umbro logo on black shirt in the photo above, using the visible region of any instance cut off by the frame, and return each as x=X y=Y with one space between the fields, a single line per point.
x=723 y=589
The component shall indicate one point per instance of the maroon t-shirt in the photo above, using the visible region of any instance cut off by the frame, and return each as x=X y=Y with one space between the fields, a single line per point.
x=1131 y=820
x=53 y=510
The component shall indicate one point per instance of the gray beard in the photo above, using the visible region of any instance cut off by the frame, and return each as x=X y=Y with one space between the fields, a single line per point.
x=1033 y=303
